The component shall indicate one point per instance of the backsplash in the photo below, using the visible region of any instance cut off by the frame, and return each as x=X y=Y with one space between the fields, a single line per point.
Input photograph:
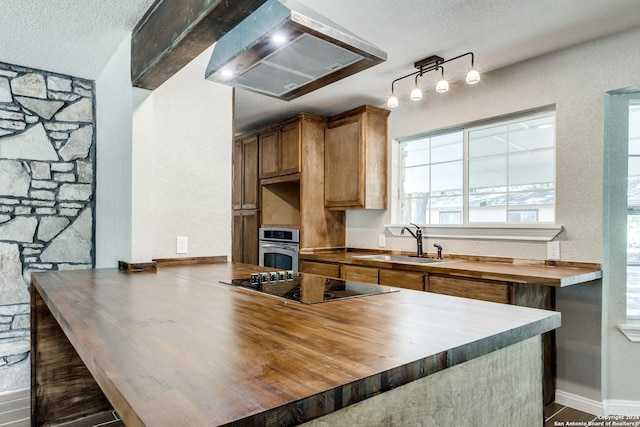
x=47 y=164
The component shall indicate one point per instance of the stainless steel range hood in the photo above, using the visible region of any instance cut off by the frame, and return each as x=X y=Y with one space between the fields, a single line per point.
x=285 y=50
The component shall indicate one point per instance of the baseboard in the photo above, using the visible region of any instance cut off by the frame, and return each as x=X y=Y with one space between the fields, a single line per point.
x=623 y=407
x=9 y=396
x=580 y=403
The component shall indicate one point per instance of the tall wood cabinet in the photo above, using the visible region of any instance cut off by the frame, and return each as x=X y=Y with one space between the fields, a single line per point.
x=356 y=159
x=245 y=200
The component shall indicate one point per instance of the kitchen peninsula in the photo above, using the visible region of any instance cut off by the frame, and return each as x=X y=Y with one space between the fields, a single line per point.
x=177 y=347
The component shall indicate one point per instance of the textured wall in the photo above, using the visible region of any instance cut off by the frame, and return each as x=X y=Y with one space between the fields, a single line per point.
x=46 y=196
x=575 y=81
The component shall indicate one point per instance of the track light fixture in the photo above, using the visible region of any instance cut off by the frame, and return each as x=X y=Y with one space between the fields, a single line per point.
x=432 y=63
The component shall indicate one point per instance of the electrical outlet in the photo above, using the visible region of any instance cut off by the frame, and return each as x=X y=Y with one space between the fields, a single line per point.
x=182 y=245
x=381 y=240
x=553 y=251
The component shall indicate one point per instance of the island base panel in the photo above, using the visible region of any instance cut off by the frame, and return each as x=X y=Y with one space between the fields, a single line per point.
x=62 y=388
x=502 y=388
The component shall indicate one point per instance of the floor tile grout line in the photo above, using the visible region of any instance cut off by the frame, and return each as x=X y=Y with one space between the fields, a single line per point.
x=556 y=413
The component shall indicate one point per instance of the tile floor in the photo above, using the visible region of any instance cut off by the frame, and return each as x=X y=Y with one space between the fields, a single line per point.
x=15 y=412
x=556 y=415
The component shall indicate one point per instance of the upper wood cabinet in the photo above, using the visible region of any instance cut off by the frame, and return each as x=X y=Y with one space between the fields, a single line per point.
x=245 y=173
x=280 y=150
x=355 y=169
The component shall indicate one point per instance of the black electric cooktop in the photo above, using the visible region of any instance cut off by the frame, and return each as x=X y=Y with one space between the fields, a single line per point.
x=312 y=289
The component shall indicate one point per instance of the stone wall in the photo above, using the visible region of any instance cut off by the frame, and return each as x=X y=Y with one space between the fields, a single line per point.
x=47 y=163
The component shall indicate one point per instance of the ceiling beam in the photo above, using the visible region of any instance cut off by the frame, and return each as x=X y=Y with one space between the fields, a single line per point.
x=174 y=32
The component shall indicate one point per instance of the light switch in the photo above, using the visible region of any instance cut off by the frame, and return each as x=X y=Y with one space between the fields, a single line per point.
x=381 y=240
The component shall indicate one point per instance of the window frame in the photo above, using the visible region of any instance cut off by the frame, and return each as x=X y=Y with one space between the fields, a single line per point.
x=536 y=231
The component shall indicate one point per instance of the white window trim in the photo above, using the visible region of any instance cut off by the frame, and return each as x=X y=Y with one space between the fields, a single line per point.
x=631 y=329
x=533 y=232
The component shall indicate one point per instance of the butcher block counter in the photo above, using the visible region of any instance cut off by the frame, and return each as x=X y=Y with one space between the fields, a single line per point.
x=177 y=347
x=538 y=272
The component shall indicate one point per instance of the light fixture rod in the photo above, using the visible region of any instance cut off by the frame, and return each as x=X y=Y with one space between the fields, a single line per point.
x=430 y=63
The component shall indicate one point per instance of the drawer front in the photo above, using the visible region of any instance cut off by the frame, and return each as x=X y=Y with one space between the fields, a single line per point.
x=402 y=279
x=360 y=274
x=467 y=288
x=320 y=268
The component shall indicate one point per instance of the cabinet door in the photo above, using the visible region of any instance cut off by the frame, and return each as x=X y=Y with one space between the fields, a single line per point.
x=244 y=247
x=237 y=189
x=360 y=274
x=343 y=167
x=469 y=288
x=290 y=148
x=236 y=238
x=249 y=173
x=402 y=279
x=250 y=223
x=269 y=154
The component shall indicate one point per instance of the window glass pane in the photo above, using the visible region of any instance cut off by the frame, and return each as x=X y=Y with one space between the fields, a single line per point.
x=532 y=134
x=488 y=141
x=415 y=210
x=415 y=152
x=633 y=192
x=488 y=208
x=447 y=178
x=633 y=217
x=532 y=167
x=416 y=180
x=446 y=147
x=446 y=217
x=487 y=173
x=634 y=129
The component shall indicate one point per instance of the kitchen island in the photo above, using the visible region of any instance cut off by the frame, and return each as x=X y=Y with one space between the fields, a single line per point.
x=177 y=347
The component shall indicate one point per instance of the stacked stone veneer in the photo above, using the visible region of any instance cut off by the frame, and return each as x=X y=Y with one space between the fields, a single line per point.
x=47 y=163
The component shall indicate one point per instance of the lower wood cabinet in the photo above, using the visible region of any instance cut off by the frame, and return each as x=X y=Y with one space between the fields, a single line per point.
x=244 y=246
x=320 y=268
x=486 y=290
x=402 y=279
x=359 y=274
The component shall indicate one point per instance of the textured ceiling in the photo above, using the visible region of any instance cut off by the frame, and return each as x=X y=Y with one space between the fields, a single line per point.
x=75 y=37
x=78 y=37
x=499 y=32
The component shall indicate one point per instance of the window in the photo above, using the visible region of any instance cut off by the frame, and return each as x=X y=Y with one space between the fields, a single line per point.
x=496 y=173
x=633 y=213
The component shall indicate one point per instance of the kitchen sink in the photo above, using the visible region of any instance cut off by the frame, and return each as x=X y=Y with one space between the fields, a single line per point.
x=400 y=258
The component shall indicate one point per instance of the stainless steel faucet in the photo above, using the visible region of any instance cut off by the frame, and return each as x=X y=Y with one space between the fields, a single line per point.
x=417 y=236
x=437 y=246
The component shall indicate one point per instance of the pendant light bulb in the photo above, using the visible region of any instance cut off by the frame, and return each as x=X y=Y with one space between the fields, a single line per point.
x=416 y=94
x=473 y=76
x=392 y=101
x=442 y=86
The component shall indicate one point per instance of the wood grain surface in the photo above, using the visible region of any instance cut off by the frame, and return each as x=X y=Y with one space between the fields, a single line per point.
x=177 y=347
x=517 y=271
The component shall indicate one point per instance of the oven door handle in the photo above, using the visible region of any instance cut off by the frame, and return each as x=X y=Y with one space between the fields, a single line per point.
x=271 y=245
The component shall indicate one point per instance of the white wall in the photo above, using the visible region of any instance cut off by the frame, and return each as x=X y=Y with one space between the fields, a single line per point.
x=182 y=144
x=575 y=81
x=113 y=159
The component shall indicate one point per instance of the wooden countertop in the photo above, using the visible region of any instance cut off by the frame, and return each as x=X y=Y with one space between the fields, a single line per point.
x=176 y=347
x=555 y=274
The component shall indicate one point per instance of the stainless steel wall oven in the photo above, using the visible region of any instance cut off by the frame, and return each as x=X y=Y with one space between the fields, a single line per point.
x=279 y=247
